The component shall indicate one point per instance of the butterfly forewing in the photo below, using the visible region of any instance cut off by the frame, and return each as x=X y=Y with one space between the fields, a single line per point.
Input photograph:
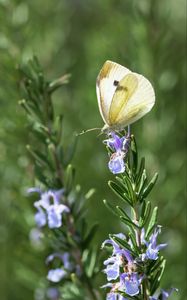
x=107 y=82
x=123 y=93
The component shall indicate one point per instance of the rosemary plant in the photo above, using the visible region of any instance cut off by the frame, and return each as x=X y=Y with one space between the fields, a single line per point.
x=135 y=267
x=59 y=203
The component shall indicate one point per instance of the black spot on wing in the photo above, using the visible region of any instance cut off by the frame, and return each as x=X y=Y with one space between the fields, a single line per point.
x=115 y=83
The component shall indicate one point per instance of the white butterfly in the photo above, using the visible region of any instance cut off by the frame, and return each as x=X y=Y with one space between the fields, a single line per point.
x=123 y=96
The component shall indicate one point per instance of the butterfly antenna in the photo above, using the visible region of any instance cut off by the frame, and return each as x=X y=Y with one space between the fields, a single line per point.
x=88 y=130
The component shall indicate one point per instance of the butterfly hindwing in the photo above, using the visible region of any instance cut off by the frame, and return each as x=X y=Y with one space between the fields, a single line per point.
x=139 y=104
x=124 y=91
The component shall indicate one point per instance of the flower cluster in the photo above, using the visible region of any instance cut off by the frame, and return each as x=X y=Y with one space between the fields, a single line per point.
x=121 y=267
x=125 y=272
x=118 y=147
x=152 y=249
x=49 y=208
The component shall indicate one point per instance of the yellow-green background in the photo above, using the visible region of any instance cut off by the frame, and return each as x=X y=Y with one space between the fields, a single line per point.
x=77 y=36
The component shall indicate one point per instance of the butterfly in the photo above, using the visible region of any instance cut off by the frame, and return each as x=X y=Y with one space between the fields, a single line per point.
x=123 y=96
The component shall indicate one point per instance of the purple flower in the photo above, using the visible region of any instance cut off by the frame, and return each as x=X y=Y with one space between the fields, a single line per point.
x=116 y=143
x=122 y=266
x=55 y=275
x=113 y=267
x=64 y=258
x=130 y=283
x=53 y=293
x=40 y=217
x=116 y=163
x=116 y=247
x=114 y=296
x=49 y=208
x=153 y=249
x=164 y=294
x=119 y=147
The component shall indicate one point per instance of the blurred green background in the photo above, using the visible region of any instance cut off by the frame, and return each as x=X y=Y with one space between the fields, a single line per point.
x=77 y=36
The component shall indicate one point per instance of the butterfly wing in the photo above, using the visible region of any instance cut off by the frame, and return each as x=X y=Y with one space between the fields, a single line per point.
x=106 y=85
x=133 y=98
x=124 y=91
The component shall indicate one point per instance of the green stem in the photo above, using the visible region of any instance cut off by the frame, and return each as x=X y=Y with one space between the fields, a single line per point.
x=137 y=231
x=138 y=240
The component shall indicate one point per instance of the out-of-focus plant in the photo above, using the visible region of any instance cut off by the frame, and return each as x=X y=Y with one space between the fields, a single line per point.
x=59 y=204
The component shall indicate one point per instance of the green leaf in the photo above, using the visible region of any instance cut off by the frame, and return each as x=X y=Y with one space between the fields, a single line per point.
x=39 y=157
x=122 y=184
x=128 y=222
x=122 y=213
x=157 y=278
x=69 y=178
x=130 y=189
x=133 y=240
x=123 y=243
x=142 y=183
x=152 y=221
x=150 y=186
x=90 y=235
x=141 y=168
x=145 y=213
x=119 y=192
x=89 y=194
x=58 y=127
x=70 y=151
x=134 y=154
x=38 y=173
x=57 y=83
x=163 y=265
x=110 y=207
x=154 y=265
x=89 y=259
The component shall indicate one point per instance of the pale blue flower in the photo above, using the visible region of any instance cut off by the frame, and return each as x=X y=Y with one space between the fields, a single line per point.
x=113 y=267
x=49 y=208
x=130 y=283
x=55 y=275
x=118 y=258
x=40 y=217
x=153 y=249
x=117 y=143
x=119 y=147
x=116 y=163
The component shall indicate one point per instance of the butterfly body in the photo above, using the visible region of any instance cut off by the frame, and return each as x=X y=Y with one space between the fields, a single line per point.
x=123 y=96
